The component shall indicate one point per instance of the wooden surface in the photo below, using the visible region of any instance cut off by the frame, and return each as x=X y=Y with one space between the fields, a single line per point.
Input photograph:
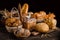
x=4 y=35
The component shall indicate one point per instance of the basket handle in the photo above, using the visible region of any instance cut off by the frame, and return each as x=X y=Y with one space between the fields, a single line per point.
x=14 y=10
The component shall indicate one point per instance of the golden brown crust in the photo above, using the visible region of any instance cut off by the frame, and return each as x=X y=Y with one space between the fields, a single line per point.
x=34 y=15
x=25 y=9
x=50 y=20
x=50 y=16
x=42 y=27
x=13 y=22
x=39 y=15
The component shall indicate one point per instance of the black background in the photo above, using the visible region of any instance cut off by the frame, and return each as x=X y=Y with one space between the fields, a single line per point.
x=35 y=5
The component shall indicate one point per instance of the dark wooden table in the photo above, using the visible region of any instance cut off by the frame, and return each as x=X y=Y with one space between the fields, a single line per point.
x=4 y=35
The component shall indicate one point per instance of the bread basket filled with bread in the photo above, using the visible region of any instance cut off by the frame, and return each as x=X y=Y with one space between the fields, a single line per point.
x=13 y=22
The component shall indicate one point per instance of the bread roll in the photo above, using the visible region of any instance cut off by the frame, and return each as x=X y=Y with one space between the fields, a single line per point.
x=39 y=16
x=42 y=27
x=12 y=24
x=22 y=33
x=51 y=21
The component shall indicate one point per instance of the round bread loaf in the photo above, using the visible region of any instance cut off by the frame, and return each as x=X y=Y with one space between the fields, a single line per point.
x=42 y=27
